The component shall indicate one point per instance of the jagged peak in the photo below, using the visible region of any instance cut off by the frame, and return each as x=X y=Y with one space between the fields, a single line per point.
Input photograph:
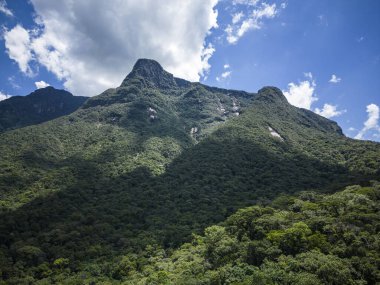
x=271 y=94
x=151 y=71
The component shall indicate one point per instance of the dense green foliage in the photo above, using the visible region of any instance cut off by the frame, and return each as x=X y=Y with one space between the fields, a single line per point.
x=147 y=164
x=305 y=239
x=309 y=238
x=39 y=106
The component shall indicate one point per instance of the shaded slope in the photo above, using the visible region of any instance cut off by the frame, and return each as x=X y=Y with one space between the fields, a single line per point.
x=39 y=106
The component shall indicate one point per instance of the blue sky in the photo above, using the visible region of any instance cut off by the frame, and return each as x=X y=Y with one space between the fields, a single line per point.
x=324 y=55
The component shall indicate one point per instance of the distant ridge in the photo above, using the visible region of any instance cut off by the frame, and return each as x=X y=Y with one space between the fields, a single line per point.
x=41 y=105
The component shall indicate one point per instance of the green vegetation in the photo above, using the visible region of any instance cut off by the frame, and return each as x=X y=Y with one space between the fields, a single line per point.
x=309 y=238
x=305 y=239
x=100 y=194
x=39 y=106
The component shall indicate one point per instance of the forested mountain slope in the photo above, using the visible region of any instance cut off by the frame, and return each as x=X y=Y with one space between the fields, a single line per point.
x=309 y=238
x=42 y=105
x=154 y=160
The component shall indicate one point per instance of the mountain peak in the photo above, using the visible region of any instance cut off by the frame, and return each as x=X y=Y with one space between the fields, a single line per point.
x=151 y=71
x=147 y=64
x=271 y=94
x=50 y=91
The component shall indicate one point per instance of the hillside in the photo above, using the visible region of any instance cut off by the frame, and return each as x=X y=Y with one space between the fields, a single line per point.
x=39 y=106
x=151 y=162
x=305 y=239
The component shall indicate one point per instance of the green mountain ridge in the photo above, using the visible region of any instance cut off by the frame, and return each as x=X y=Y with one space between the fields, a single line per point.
x=40 y=106
x=151 y=162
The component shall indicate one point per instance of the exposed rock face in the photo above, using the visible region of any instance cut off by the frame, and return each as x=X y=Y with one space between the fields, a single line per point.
x=152 y=73
x=275 y=134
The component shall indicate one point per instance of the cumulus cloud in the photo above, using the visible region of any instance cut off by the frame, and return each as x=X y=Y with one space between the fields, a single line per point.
x=329 y=111
x=92 y=45
x=4 y=9
x=372 y=122
x=18 y=46
x=4 y=96
x=302 y=94
x=41 y=84
x=335 y=79
x=253 y=21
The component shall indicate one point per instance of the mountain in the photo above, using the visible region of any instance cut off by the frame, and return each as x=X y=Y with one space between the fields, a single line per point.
x=39 y=106
x=144 y=165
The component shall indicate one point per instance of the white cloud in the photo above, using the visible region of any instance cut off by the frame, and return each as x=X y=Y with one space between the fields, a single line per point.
x=360 y=39
x=329 y=111
x=4 y=9
x=302 y=94
x=334 y=79
x=236 y=18
x=4 y=96
x=252 y=22
x=92 y=45
x=372 y=122
x=41 y=84
x=245 y=2
x=18 y=46
x=207 y=53
x=13 y=83
x=308 y=75
x=224 y=76
x=351 y=129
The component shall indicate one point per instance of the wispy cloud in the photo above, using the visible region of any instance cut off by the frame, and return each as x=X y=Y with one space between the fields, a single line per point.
x=360 y=39
x=241 y=24
x=225 y=74
x=372 y=122
x=236 y=18
x=13 y=83
x=335 y=79
x=4 y=9
x=245 y=2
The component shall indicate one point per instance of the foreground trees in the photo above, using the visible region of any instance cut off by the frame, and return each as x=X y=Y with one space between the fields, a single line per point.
x=305 y=239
